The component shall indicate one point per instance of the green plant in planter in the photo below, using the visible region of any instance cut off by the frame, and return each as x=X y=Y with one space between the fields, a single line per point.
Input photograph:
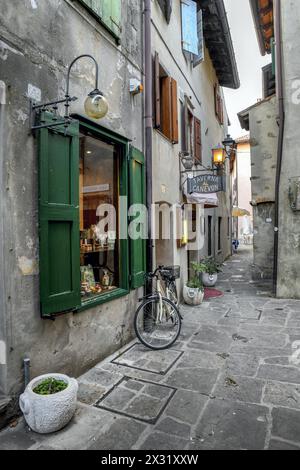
x=50 y=387
x=195 y=282
x=211 y=266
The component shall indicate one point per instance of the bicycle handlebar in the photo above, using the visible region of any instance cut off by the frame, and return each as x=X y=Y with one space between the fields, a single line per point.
x=154 y=274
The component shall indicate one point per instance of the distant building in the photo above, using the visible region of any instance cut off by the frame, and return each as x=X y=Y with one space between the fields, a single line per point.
x=274 y=133
x=241 y=189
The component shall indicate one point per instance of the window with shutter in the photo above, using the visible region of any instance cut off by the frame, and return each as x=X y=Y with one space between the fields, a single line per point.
x=80 y=268
x=137 y=195
x=219 y=104
x=166 y=7
x=165 y=103
x=189 y=22
x=108 y=12
x=166 y=109
x=197 y=59
x=157 y=91
x=59 y=219
x=187 y=126
x=198 y=141
x=174 y=105
x=184 y=128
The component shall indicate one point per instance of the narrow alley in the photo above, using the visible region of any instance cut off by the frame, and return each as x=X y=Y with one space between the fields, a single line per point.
x=231 y=382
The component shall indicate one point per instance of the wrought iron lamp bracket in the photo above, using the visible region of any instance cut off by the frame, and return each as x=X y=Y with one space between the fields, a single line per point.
x=35 y=109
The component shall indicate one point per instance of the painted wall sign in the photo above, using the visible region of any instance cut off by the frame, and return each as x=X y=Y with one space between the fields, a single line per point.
x=205 y=184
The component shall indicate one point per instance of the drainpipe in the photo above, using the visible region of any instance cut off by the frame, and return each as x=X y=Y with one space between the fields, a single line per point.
x=148 y=125
x=280 y=96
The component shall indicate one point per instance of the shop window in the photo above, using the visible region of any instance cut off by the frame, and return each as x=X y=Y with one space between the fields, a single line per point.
x=84 y=260
x=99 y=214
x=108 y=12
x=166 y=102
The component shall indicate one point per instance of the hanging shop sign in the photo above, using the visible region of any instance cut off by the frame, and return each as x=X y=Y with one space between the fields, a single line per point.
x=206 y=184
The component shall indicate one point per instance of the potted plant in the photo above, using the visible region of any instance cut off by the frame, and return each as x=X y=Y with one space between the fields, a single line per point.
x=193 y=291
x=49 y=402
x=210 y=274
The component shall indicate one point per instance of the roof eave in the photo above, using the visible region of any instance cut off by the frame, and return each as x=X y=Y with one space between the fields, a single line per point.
x=259 y=33
x=224 y=63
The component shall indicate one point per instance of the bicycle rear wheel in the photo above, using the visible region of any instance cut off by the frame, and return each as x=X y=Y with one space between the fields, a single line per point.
x=157 y=323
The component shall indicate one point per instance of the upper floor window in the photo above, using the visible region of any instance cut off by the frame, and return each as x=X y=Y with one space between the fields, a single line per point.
x=166 y=102
x=192 y=31
x=219 y=104
x=191 y=131
x=166 y=7
x=108 y=12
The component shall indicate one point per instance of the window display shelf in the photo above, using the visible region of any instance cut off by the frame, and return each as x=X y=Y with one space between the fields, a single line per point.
x=98 y=250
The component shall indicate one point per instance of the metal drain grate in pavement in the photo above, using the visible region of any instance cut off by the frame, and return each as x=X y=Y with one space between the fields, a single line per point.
x=138 y=399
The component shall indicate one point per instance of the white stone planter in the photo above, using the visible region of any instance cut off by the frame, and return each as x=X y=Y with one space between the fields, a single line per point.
x=193 y=296
x=46 y=414
x=209 y=280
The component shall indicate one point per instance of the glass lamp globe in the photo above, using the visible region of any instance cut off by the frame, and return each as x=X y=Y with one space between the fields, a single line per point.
x=218 y=155
x=96 y=105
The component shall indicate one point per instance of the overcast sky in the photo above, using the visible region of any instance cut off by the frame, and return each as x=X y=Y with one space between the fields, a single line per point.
x=249 y=61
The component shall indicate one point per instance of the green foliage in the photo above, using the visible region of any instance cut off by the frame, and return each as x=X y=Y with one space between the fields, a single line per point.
x=211 y=266
x=196 y=282
x=50 y=387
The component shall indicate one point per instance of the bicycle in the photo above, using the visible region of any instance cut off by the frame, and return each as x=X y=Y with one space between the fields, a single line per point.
x=157 y=321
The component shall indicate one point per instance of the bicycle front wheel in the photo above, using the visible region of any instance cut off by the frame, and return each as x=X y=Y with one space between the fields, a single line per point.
x=157 y=323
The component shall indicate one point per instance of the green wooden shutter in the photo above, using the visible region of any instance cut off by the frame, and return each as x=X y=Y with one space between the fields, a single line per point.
x=108 y=11
x=94 y=5
x=59 y=219
x=116 y=17
x=137 y=188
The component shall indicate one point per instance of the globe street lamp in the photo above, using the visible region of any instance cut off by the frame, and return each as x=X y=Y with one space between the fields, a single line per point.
x=95 y=106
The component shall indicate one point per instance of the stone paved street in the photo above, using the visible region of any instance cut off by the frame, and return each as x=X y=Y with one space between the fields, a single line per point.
x=227 y=384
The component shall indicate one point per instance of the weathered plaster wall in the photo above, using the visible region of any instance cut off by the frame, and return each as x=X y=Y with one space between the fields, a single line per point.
x=289 y=224
x=2 y=218
x=198 y=83
x=38 y=41
x=264 y=136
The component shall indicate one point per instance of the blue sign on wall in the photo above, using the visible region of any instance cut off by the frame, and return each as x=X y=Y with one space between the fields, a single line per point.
x=206 y=184
x=190 y=42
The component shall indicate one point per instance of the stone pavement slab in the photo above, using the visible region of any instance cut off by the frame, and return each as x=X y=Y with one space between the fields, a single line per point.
x=230 y=425
x=228 y=383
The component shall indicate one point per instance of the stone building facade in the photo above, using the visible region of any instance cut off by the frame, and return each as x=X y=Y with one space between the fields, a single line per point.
x=68 y=297
x=38 y=41
x=202 y=120
x=274 y=124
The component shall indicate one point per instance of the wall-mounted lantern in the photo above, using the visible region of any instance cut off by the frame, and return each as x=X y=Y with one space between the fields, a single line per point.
x=95 y=106
x=219 y=156
x=223 y=152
